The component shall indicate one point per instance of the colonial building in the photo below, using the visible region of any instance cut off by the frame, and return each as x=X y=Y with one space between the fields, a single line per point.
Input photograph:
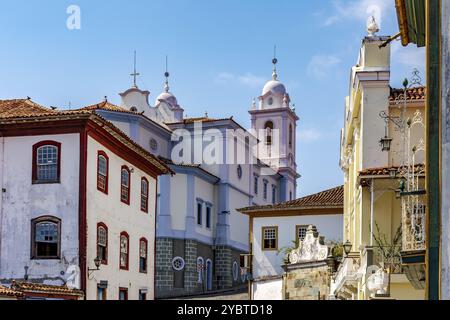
x=78 y=201
x=276 y=229
x=383 y=160
x=200 y=234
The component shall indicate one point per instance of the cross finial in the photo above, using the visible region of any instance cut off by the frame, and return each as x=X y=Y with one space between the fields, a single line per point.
x=135 y=74
x=274 y=61
x=167 y=74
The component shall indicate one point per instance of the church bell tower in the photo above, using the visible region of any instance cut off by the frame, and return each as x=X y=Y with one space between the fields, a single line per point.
x=274 y=121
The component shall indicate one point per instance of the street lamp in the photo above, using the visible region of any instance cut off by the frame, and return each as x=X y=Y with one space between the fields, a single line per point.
x=98 y=263
x=385 y=142
x=392 y=172
x=347 y=247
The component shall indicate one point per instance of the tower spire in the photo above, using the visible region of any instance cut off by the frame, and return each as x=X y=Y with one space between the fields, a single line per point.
x=167 y=74
x=274 y=62
x=135 y=73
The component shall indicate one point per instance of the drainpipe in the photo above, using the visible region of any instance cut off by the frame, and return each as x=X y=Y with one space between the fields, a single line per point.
x=371 y=211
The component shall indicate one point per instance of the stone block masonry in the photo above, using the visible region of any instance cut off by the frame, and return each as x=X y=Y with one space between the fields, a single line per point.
x=223 y=267
x=164 y=272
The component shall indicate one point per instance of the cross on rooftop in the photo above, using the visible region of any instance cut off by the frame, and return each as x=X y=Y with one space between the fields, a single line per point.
x=135 y=74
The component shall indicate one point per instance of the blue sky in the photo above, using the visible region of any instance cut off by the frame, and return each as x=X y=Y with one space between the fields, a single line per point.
x=219 y=57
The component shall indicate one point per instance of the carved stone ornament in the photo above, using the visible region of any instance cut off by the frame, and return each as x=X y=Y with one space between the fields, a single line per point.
x=73 y=280
x=310 y=249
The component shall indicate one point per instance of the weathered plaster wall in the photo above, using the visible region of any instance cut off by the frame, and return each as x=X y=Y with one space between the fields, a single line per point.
x=22 y=201
x=119 y=217
x=268 y=290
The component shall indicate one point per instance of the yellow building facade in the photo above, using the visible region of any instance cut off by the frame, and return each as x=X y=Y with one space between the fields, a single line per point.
x=383 y=160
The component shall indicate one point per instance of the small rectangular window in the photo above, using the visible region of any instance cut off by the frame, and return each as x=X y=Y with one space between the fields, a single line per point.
x=208 y=217
x=300 y=233
x=101 y=293
x=199 y=214
x=270 y=238
x=142 y=295
x=274 y=195
x=265 y=190
x=255 y=184
x=123 y=294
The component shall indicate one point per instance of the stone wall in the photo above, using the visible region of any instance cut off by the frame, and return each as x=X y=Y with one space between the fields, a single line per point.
x=190 y=269
x=224 y=279
x=307 y=281
x=164 y=271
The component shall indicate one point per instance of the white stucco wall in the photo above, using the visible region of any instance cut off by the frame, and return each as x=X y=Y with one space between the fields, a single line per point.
x=178 y=187
x=119 y=217
x=268 y=263
x=144 y=140
x=24 y=201
x=239 y=222
x=268 y=290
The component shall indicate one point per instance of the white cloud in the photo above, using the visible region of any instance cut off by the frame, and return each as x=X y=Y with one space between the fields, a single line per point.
x=309 y=135
x=357 y=9
x=247 y=79
x=321 y=65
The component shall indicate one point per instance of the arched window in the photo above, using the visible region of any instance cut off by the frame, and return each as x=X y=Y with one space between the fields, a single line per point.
x=269 y=132
x=46 y=238
x=124 y=250
x=102 y=172
x=209 y=275
x=144 y=195
x=291 y=134
x=143 y=254
x=125 y=185
x=200 y=269
x=235 y=271
x=46 y=162
x=102 y=243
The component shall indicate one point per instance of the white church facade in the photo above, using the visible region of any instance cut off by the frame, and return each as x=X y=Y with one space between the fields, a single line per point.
x=200 y=234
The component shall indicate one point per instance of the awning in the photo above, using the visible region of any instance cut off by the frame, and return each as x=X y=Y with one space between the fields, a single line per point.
x=411 y=21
